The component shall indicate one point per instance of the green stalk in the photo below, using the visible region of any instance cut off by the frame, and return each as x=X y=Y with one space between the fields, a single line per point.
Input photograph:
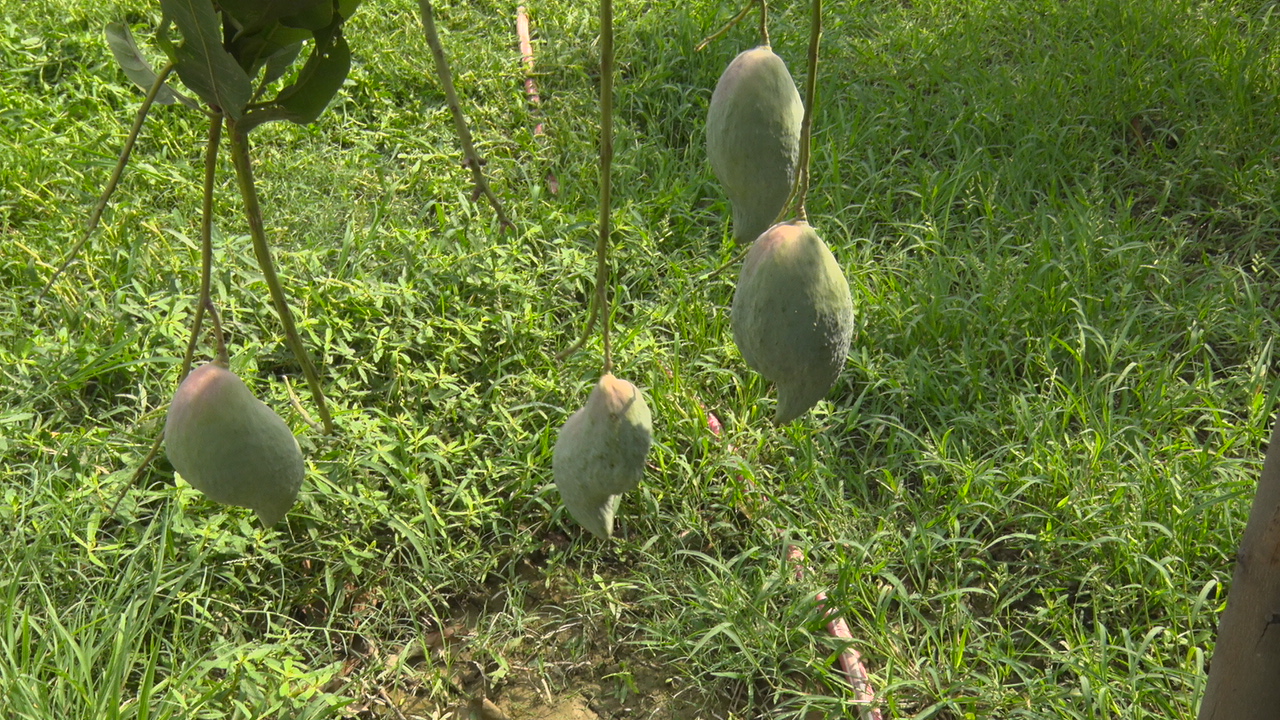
x=810 y=103
x=471 y=159
x=795 y=204
x=206 y=241
x=253 y=212
x=206 y=273
x=601 y=305
x=764 y=24
x=606 y=182
x=222 y=359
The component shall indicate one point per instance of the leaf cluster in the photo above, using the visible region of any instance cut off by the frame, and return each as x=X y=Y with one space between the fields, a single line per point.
x=231 y=52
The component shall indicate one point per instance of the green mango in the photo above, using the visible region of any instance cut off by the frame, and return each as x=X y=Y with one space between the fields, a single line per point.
x=230 y=446
x=792 y=316
x=753 y=138
x=600 y=453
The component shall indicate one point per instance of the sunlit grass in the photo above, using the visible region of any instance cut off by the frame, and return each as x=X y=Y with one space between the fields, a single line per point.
x=1024 y=494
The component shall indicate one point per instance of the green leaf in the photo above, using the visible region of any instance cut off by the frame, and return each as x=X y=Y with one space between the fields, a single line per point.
x=317 y=16
x=164 y=41
x=203 y=64
x=278 y=63
x=347 y=8
x=253 y=15
x=135 y=66
x=253 y=50
x=319 y=81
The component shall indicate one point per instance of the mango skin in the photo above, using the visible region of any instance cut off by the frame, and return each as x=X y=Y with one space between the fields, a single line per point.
x=600 y=451
x=753 y=138
x=230 y=446
x=792 y=316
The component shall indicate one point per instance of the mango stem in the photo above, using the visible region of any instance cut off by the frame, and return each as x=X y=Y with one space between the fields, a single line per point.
x=471 y=159
x=606 y=181
x=764 y=25
x=253 y=212
x=600 y=307
x=206 y=241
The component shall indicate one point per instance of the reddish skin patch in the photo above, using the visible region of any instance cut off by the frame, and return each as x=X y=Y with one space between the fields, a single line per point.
x=713 y=424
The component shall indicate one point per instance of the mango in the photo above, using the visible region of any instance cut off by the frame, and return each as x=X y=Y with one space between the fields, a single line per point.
x=792 y=316
x=230 y=446
x=600 y=451
x=753 y=138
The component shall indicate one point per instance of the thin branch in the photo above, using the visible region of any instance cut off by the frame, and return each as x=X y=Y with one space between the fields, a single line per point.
x=206 y=241
x=206 y=271
x=586 y=331
x=96 y=214
x=800 y=191
x=471 y=159
x=764 y=25
x=601 y=305
x=606 y=181
x=137 y=474
x=253 y=212
x=297 y=405
x=733 y=261
x=222 y=359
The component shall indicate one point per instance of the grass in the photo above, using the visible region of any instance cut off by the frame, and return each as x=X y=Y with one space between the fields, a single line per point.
x=1058 y=222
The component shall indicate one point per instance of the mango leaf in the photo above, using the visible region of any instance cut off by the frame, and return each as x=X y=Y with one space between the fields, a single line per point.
x=251 y=16
x=318 y=82
x=253 y=50
x=317 y=16
x=204 y=66
x=279 y=63
x=347 y=8
x=164 y=41
x=136 y=67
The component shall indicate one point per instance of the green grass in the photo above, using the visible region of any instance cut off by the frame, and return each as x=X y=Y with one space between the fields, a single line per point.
x=1058 y=221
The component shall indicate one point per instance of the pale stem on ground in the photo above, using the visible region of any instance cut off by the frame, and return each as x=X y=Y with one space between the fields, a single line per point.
x=526 y=57
x=850 y=659
x=471 y=159
x=253 y=212
x=531 y=85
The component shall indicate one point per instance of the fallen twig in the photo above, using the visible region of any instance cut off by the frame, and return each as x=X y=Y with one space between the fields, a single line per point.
x=531 y=86
x=526 y=57
x=850 y=659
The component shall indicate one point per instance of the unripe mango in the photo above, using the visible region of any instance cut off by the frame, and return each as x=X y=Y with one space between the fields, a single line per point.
x=792 y=316
x=230 y=446
x=600 y=453
x=753 y=138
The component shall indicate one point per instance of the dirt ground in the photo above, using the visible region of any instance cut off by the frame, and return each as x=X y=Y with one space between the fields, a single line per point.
x=449 y=675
